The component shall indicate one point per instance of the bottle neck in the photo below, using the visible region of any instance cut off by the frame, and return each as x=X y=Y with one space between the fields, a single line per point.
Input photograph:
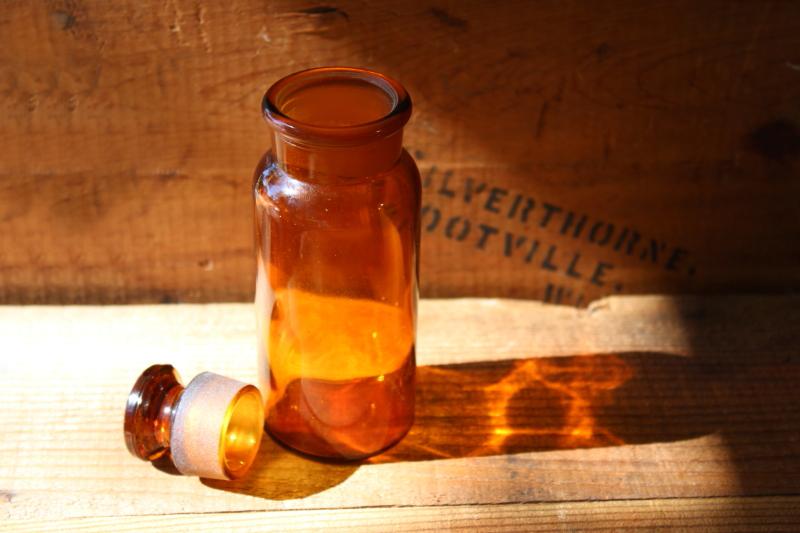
x=344 y=160
x=169 y=404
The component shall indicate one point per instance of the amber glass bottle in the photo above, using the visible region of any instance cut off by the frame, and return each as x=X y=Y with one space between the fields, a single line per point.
x=337 y=203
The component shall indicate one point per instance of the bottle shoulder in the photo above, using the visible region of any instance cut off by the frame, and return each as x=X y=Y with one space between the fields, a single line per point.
x=409 y=166
x=272 y=180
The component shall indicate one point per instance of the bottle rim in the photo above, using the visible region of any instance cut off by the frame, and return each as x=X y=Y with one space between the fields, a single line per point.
x=301 y=131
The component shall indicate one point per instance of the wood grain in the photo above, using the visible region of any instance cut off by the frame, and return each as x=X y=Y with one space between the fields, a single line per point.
x=726 y=515
x=520 y=402
x=129 y=134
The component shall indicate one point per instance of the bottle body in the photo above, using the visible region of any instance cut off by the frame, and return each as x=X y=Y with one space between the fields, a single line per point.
x=337 y=238
x=336 y=304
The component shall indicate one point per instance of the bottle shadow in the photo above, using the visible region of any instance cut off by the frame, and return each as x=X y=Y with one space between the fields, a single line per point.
x=560 y=403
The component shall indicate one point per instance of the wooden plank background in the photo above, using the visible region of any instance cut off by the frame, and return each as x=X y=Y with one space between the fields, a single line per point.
x=657 y=142
x=636 y=412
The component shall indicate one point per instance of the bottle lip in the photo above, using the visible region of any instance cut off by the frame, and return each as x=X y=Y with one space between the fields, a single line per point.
x=383 y=126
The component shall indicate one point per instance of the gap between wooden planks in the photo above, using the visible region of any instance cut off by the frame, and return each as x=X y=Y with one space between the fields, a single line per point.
x=634 y=398
x=771 y=514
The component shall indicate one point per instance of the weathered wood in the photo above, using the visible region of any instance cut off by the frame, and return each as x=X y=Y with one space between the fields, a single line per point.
x=770 y=515
x=129 y=134
x=633 y=398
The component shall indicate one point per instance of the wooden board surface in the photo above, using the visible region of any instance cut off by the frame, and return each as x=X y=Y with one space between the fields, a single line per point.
x=635 y=398
x=725 y=515
x=569 y=151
